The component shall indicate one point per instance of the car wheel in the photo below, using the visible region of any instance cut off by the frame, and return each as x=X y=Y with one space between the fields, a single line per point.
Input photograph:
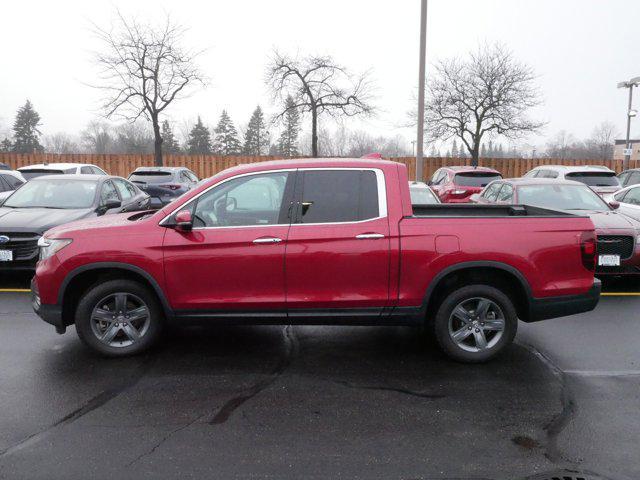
x=119 y=318
x=475 y=323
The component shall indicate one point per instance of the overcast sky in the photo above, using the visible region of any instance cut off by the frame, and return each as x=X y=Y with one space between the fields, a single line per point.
x=579 y=48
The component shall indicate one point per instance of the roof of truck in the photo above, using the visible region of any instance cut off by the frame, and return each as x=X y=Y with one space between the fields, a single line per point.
x=312 y=163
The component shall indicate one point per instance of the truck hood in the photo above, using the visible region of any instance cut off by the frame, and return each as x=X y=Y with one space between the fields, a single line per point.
x=113 y=223
x=38 y=219
x=609 y=220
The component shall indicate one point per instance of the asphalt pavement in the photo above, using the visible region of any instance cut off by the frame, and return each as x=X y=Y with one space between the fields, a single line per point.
x=321 y=402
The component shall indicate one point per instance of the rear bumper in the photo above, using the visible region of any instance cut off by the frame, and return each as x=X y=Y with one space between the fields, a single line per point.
x=554 y=307
x=51 y=314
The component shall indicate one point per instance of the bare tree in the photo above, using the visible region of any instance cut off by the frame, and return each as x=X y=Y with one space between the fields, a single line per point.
x=317 y=85
x=489 y=94
x=97 y=137
x=143 y=69
x=59 y=143
x=603 y=139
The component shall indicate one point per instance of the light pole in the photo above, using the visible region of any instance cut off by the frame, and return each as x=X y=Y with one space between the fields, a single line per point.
x=634 y=82
x=421 y=77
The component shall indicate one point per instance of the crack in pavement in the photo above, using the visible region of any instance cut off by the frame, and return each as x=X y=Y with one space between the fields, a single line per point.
x=559 y=422
x=384 y=388
x=89 y=406
x=291 y=350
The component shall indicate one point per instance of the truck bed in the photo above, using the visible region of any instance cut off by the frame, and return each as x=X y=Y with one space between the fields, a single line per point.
x=476 y=210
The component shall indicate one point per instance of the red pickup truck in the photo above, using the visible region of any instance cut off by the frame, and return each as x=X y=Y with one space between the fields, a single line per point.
x=316 y=242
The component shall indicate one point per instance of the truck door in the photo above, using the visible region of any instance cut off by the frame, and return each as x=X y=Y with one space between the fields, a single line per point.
x=338 y=246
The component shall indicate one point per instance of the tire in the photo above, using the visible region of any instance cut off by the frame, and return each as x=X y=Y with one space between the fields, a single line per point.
x=460 y=336
x=105 y=330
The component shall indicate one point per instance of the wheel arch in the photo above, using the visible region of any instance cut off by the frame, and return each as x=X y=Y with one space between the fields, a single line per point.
x=78 y=281
x=500 y=275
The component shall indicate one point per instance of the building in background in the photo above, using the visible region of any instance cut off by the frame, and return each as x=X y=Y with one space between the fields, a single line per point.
x=618 y=150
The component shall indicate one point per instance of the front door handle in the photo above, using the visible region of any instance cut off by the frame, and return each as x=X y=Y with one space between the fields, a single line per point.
x=365 y=236
x=267 y=240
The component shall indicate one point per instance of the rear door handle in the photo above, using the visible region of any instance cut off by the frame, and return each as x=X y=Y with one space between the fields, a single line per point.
x=267 y=240
x=365 y=236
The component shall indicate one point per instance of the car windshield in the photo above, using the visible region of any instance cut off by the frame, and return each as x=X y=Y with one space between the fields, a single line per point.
x=39 y=172
x=421 y=195
x=67 y=194
x=595 y=179
x=561 y=197
x=479 y=179
x=150 y=176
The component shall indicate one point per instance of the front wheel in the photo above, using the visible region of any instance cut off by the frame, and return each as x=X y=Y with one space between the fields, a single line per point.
x=119 y=318
x=475 y=323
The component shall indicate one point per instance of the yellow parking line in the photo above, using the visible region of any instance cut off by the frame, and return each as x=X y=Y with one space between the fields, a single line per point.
x=12 y=290
x=621 y=294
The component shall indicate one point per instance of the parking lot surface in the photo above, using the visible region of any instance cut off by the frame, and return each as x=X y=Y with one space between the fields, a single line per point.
x=321 y=402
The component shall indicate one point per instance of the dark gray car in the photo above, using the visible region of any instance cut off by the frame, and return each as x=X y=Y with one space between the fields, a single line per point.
x=48 y=201
x=164 y=184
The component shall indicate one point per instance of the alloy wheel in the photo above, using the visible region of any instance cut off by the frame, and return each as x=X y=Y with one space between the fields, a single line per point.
x=120 y=319
x=476 y=324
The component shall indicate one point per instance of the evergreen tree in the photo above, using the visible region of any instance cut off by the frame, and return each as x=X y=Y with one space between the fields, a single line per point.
x=500 y=152
x=454 y=149
x=199 y=139
x=25 y=130
x=491 y=151
x=256 y=140
x=226 y=140
x=169 y=142
x=483 y=151
x=288 y=142
x=6 y=145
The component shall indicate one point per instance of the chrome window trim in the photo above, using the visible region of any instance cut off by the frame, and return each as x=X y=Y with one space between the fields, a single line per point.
x=380 y=182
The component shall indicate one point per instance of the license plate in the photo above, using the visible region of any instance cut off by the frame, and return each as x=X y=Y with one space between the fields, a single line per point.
x=609 y=260
x=6 y=255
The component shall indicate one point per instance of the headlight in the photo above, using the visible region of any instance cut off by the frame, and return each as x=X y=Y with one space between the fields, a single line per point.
x=49 y=246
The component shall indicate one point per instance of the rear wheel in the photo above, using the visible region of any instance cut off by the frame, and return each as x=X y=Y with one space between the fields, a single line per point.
x=119 y=318
x=475 y=323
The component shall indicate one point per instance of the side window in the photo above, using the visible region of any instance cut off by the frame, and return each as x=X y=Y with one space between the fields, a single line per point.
x=633 y=179
x=620 y=196
x=329 y=196
x=632 y=196
x=249 y=200
x=435 y=176
x=506 y=193
x=551 y=174
x=192 y=176
x=97 y=171
x=4 y=186
x=12 y=181
x=86 y=170
x=184 y=177
x=130 y=187
x=121 y=186
x=108 y=193
x=532 y=173
x=491 y=192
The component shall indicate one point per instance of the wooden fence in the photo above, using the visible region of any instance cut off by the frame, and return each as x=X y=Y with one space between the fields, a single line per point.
x=207 y=165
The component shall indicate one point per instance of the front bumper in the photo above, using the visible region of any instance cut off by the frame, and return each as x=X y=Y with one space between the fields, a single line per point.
x=554 y=307
x=51 y=314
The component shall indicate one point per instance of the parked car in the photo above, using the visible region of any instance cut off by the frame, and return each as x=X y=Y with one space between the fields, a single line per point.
x=617 y=234
x=9 y=181
x=421 y=194
x=629 y=200
x=629 y=177
x=4 y=166
x=322 y=242
x=601 y=179
x=164 y=184
x=33 y=171
x=48 y=201
x=457 y=184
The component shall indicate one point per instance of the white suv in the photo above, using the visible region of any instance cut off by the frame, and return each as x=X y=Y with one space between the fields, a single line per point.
x=601 y=179
x=33 y=171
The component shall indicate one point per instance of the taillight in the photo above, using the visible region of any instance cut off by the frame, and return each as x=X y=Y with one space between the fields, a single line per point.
x=171 y=186
x=588 y=250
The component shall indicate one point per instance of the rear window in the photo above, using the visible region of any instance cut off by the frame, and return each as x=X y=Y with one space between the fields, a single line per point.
x=39 y=172
x=595 y=179
x=150 y=176
x=475 y=179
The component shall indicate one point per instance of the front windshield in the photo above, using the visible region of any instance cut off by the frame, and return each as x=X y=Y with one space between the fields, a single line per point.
x=65 y=193
x=595 y=179
x=561 y=197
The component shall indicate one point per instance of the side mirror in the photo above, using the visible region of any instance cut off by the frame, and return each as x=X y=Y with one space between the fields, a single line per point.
x=104 y=208
x=429 y=182
x=614 y=204
x=184 y=221
x=474 y=198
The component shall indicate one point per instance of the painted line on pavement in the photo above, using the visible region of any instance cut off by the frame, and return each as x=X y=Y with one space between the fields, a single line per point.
x=15 y=290
x=620 y=294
